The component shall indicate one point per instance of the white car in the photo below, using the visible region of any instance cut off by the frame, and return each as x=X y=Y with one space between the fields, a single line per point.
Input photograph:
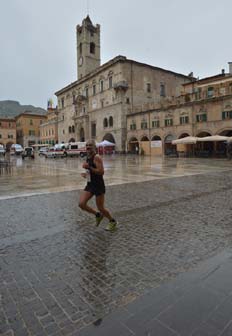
x=2 y=150
x=43 y=150
x=56 y=151
x=16 y=149
x=50 y=153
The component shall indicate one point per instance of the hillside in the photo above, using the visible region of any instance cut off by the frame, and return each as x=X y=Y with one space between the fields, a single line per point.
x=11 y=108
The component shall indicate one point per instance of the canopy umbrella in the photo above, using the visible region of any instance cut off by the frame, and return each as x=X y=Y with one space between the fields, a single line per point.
x=105 y=143
x=229 y=139
x=186 y=140
x=213 y=138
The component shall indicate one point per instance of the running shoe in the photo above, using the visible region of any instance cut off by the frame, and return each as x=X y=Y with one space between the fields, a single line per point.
x=99 y=218
x=111 y=226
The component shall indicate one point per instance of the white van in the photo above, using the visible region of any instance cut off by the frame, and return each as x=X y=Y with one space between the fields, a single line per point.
x=16 y=149
x=76 y=149
x=67 y=149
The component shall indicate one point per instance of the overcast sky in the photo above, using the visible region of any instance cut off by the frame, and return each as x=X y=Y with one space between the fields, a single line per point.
x=38 y=40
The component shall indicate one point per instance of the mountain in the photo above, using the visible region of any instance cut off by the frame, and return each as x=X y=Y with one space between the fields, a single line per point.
x=11 y=108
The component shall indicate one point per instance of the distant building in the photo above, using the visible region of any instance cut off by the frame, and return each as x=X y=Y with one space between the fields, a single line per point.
x=49 y=127
x=204 y=108
x=28 y=128
x=98 y=103
x=138 y=106
x=7 y=132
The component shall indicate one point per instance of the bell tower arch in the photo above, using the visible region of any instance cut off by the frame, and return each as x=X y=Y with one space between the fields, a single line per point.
x=88 y=47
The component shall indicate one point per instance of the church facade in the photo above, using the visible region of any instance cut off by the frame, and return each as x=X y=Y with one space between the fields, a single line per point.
x=100 y=102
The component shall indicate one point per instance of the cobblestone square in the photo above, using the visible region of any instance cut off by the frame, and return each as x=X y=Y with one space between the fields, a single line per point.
x=59 y=273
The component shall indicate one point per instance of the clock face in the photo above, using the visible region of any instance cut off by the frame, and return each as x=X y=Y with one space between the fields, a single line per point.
x=81 y=60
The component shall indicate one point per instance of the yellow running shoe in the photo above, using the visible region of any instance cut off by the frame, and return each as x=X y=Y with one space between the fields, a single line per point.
x=111 y=226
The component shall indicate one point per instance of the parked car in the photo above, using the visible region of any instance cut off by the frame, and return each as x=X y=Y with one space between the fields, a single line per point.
x=58 y=150
x=2 y=150
x=28 y=152
x=43 y=150
x=16 y=149
x=50 y=153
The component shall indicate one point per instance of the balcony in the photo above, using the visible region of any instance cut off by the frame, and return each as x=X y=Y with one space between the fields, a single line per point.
x=121 y=86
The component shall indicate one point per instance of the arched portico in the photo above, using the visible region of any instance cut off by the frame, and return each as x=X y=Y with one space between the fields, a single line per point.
x=109 y=137
x=204 y=148
x=133 y=145
x=225 y=132
x=144 y=145
x=183 y=135
x=107 y=149
x=185 y=149
x=169 y=149
x=156 y=145
x=203 y=134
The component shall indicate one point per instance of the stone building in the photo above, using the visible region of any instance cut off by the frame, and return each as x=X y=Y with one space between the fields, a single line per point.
x=203 y=108
x=28 y=128
x=49 y=127
x=7 y=132
x=98 y=104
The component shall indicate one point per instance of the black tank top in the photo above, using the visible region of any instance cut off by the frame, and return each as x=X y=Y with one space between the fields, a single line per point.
x=95 y=179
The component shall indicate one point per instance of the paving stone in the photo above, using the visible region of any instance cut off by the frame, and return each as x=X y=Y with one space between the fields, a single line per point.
x=66 y=268
x=190 y=311
x=228 y=330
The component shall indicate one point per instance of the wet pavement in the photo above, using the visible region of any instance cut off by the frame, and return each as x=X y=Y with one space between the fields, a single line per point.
x=31 y=177
x=165 y=271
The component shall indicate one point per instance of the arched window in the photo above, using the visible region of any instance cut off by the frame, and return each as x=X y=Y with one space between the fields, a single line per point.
x=101 y=85
x=70 y=129
x=111 y=122
x=110 y=82
x=105 y=122
x=73 y=129
x=92 y=48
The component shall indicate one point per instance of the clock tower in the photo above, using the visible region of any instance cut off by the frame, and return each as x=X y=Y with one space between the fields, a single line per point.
x=88 y=47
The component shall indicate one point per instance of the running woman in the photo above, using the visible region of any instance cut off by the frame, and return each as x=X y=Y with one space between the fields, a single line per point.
x=95 y=187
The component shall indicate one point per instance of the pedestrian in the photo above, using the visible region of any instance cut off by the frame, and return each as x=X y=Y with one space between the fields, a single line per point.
x=95 y=187
x=137 y=150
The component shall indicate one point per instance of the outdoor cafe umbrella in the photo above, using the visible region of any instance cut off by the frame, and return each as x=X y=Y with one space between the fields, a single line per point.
x=213 y=138
x=105 y=143
x=187 y=140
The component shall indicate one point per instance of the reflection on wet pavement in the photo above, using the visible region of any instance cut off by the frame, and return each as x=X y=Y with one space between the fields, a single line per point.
x=60 y=273
x=5 y=167
x=41 y=176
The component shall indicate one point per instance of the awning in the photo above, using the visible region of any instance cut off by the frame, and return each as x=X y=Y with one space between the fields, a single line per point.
x=186 y=140
x=194 y=140
x=213 y=138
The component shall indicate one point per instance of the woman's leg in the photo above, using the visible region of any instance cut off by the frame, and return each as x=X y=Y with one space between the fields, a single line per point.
x=84 y=198
x=100 y=205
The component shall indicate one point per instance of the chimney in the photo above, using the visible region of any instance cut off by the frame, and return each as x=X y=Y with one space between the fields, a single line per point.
x=230 y=68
